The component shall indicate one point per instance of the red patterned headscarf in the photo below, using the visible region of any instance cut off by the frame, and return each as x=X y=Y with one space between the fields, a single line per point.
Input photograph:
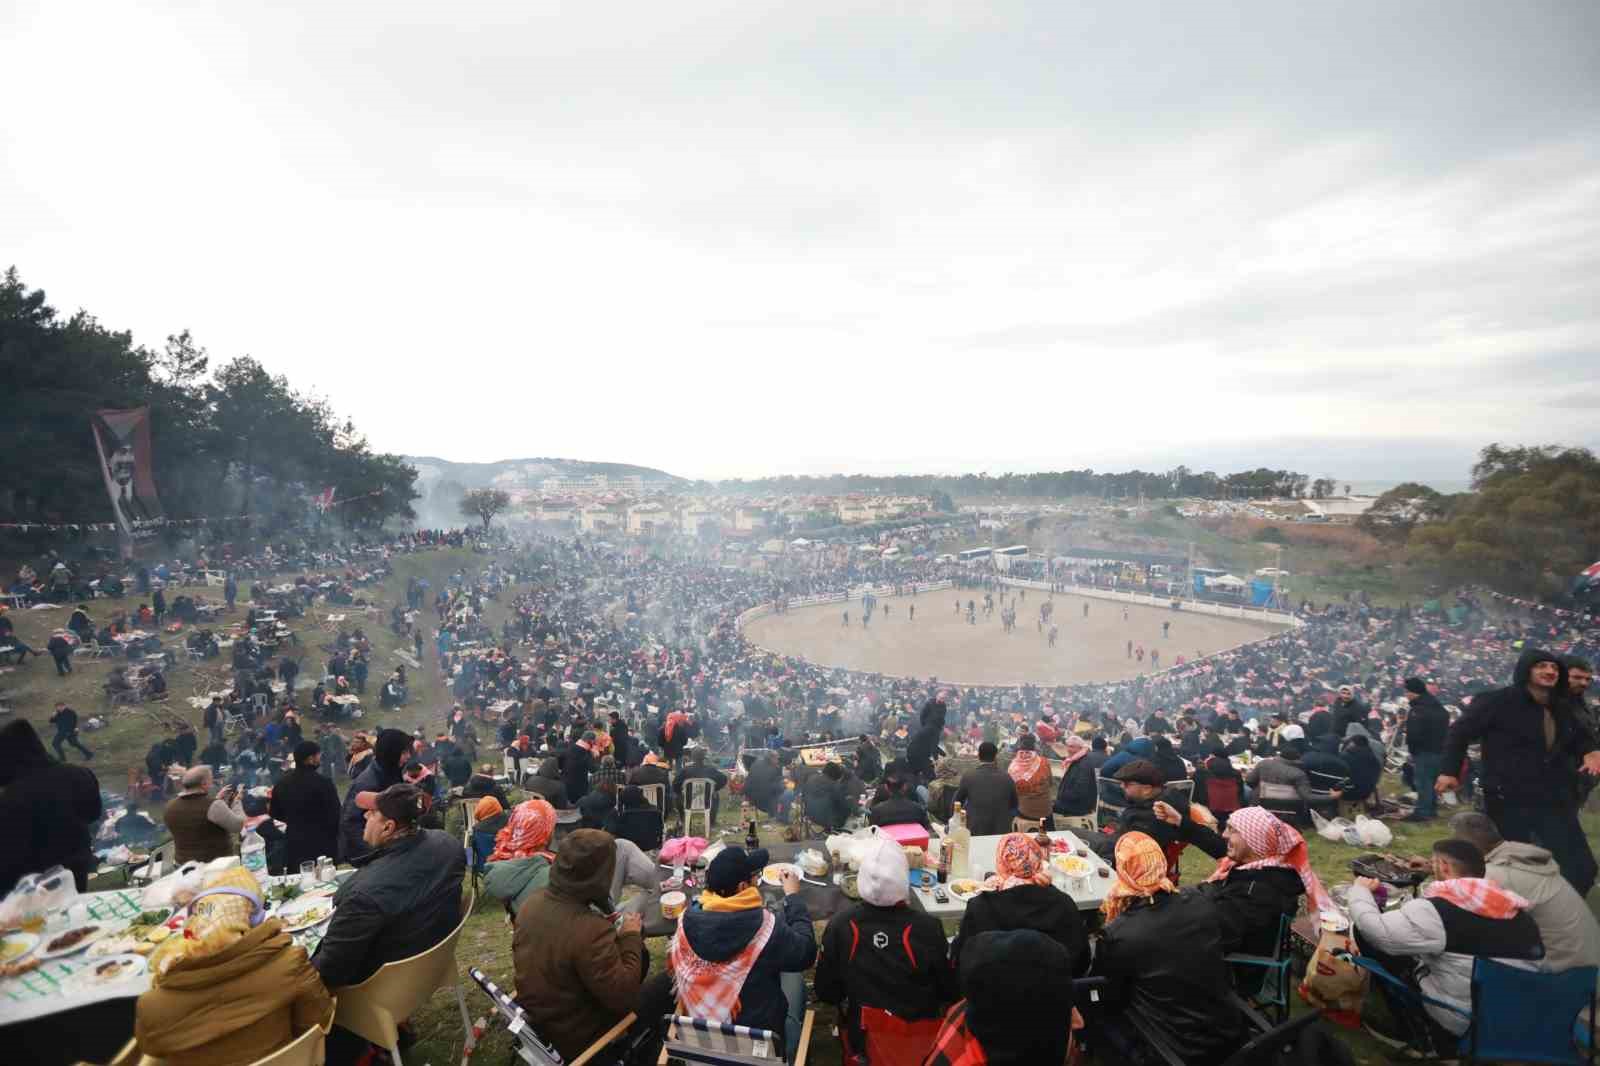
x=527 y=832
x=1276 y=843
x=1018 y=861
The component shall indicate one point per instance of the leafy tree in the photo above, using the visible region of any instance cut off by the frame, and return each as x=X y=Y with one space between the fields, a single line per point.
x=1397 y=512
x=1322 y=488
x=484 y=504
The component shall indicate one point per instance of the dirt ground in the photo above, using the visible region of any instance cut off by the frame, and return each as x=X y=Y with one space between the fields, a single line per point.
x=940 y=643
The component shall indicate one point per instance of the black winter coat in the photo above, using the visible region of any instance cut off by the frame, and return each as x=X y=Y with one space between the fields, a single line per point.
x=1038 y=907
x=1076 y=798
x=1249 y=904
x=1427 y=725
x=892 y=958
x=1517 y=767
x=1164 y=959
x=308 y=804
x=47 y=812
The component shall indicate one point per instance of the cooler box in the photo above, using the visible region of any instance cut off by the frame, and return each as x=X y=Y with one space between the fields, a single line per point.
x=906 y=834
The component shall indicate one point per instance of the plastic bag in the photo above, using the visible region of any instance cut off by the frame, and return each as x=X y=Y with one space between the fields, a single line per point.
x=683 y=849
x=1338 y=830
x=1373 y=833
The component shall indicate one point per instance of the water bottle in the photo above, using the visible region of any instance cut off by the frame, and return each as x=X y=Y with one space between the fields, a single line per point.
x=253 y=853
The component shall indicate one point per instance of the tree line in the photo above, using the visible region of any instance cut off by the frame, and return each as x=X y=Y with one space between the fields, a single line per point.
x=1261 y=483
x=227 y=440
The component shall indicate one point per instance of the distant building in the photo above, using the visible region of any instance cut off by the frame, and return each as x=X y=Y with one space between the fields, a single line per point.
x=1341 y=510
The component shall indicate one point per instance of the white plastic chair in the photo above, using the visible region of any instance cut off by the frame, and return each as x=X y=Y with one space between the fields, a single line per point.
x=697 y=793
x=656 y=796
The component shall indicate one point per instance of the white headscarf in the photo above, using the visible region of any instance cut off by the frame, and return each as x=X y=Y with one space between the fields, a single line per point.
x=885 y=877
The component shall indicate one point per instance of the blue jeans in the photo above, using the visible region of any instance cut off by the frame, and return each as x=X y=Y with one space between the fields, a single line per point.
x=794 y=992
x=1424 y=771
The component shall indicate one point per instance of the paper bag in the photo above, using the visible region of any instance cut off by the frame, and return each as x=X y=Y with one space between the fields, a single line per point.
x=1331 y=983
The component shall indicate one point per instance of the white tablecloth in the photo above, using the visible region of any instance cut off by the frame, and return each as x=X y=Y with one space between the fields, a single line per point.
x=981 y=857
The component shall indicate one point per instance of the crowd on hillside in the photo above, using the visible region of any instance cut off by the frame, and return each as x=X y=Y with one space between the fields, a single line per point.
x=613 y=674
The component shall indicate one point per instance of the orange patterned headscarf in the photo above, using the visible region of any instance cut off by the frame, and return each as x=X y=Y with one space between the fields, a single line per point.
x=526 y=832
x=1017 y=861
x=1141 y=873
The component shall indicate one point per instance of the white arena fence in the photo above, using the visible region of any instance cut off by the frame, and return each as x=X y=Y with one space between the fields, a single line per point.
x=1148 y=599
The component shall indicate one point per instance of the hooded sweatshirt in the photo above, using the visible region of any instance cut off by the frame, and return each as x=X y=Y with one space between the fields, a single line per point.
x=1019 y=997
x=381 y=771
x=1139 y=748
x=1566 y=924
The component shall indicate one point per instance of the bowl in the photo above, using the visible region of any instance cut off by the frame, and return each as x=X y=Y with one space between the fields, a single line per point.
x=673 y=904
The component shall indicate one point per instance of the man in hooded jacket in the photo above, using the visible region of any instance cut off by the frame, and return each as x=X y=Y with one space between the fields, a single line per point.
x=390 y=753
x=1534 y=750
x=1427 y=725
x=47 y=807
x=1018 y=1007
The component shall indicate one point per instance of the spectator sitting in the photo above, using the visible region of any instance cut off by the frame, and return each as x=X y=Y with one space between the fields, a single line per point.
x=697 y=770
x=1430 y=944
x=404 y=898
x=1219 y=785
x=1566 y=924
x=1020 y=896
x=1283 y=769
x=547 y=783
x=483 y=783
x=1161 y=954
x=882 y=954
x=899 y=808
x=457 y=766
x=1075 y=799
x=236 y=989
x=989 y=797
x=1035 y=784
x=652 y=771
x=1260 y=881
x=577 y=974
x=730 y=951
x=1017 y=1008
x=1143 y=785
x=1365 y=770
x=825 y=800
x=637 y=821
x=763 y=786
x=519 y=863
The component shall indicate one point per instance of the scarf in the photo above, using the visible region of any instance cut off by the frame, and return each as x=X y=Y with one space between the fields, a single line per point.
x=526 y=832
x=1279 y=844
x=707 y=989
x=1141 y=873
x=1017 y=861
x=674 y=720
x=1478 y=895
x=1076 y=749
x=1029 y=771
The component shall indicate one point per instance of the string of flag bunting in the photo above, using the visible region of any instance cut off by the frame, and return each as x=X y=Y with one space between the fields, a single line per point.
x=157 y=523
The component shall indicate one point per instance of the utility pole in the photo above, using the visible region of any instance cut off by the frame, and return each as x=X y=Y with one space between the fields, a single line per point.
x=1188 y=574
x=1277 y=573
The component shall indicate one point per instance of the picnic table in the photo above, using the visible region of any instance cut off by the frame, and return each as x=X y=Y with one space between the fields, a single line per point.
x=981 y=859
x=823 y=899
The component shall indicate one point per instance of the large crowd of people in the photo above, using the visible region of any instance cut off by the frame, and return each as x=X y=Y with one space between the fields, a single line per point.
x=613 y=672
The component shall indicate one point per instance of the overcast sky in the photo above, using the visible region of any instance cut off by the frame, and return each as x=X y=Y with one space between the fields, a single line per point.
x=748 y=238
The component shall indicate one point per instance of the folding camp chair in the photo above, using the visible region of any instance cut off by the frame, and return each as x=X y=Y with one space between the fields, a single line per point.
x=1110 y=800
x=1273 y=988
x=1268 y=1047
x=528 y=1045
x=696 y=1040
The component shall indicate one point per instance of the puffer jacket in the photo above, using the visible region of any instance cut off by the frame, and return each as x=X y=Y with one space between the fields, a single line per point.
x=717 y=936
x=1566 y=924
x=576 y=974
x=512 y=881
x=235 y=1006
x=1250 y=904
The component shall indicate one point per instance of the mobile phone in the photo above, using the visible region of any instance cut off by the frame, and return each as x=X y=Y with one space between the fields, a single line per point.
x=940 y=895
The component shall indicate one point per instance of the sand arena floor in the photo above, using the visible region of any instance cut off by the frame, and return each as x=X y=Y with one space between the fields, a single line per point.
x=940 y=643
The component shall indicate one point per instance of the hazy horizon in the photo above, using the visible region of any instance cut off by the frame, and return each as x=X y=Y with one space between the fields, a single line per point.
x=738 y=239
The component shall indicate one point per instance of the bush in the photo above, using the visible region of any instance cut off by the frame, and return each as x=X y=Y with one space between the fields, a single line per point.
x=1270 y=535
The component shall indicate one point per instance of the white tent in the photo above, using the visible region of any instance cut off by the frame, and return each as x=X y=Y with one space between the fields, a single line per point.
x=1226 y=581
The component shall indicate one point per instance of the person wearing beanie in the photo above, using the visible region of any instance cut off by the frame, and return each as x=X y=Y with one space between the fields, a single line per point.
x=883 y=955
x=1017 y=1007
x=306 y=802
x=1426 y=726
x=390 y=752
x=578 y=972
x=730 y=950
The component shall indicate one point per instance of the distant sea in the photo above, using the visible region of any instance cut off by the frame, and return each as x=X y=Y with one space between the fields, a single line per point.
x=1378 y=488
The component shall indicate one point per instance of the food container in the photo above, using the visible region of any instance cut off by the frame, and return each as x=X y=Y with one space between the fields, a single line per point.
x=673 y=904
x=908 y=834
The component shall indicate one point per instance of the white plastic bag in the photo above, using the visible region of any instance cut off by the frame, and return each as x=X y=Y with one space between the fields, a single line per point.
x=1373 y=833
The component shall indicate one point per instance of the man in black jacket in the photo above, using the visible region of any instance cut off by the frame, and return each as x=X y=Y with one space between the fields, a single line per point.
x=1251 y=902
x=924 y=743
x=1347 y=708
x=824 y=797
x=48 y=809
x=699 y=769
x=66 y=722
x=1426 y=727
x=869 y=761
x=404 y=898
x=306 y=801
x=390 y=752
x=988 y=795
x=1143 y=785
x=1534 y=749
x=900 y=808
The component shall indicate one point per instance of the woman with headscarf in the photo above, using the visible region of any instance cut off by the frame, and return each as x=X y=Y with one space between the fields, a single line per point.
x=1161 y=953
x=1075 y=800
x=1030 y=771
x=520 y=861
x=1020 y=896
x=1260 y=880
x=234 y=988
x=47 y=808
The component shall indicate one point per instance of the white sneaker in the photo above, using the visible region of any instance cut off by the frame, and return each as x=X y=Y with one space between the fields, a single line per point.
x=1450 y=798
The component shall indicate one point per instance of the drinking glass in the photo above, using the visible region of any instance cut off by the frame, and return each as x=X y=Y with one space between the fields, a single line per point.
x=308 y=875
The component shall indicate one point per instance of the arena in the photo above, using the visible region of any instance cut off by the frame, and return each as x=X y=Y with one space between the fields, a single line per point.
x=940 y=642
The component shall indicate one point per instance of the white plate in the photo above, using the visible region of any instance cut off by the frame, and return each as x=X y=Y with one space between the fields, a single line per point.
x=298 y=918
x=977 y=888
x=15 y=940
x=772 y=874
x=99 y=930
x=106 y=971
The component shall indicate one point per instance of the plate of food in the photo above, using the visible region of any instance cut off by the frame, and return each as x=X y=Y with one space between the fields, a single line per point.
x=107 y=971
x=72 y=941
x=17 y=945
x=1072 y=865
x=964 y=888
x=305 y=912
x=773 y=874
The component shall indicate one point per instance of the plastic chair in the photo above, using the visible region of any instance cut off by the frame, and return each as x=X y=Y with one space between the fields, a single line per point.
x=261 y=703
x=1179 y=794
x=529 y=1046
x=1026 y=825
x=1110 y=799
x=511 y=772
x=722 y=1044
x=1281 y=800
x=697 y=793
x=1274 y=988
x=656 y=796
x=163 y=860
x=375 y=1008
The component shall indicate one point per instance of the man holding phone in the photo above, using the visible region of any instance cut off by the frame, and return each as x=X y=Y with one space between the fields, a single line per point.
x=203 y=828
